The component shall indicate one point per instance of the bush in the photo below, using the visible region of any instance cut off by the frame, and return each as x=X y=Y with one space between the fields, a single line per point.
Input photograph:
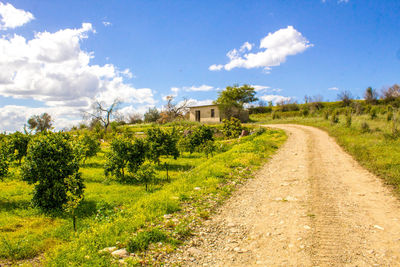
x=125 y=154
x=373 y=113
x=326 y=114
x=87 y=146
x=258 y=110
x=365 y=127
x=4 y=159
x=348 y=118
x=50 y=165
x=389 y=113
x=146 y=173
x=208 y=147
x=18 y=143
x=196 y=138
x=335 y=117
x=275 y=115
x=161 y=143
x=142 y=240
x=232 y=128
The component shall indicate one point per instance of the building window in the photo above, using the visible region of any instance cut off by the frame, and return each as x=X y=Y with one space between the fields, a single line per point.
x=212 y=113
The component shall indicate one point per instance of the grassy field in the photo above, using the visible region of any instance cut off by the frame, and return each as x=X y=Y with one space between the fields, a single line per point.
x=377 y=149
x=122 y=215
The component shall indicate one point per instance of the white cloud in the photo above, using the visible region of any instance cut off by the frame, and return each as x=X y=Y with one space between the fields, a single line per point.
x=53 y=69
x=215 y=67
x=259 y=88
x=201 y=88
x=106 y=23
x=175 y=90
x=333 y=89
x=246 y=46
x=276 y=47
x=275 y=98
x=13 y=118
x=11 y=17
x=193 y=102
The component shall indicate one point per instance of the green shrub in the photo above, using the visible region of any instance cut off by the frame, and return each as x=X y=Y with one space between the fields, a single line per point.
x=208 y=148
x=125 y=154
x=196 y=138
x=18 y=144
x=50 y=164
x=161 y=143
x=335 y=117
x=4 y=158
x=348 y=118
x=146 y=173
x=276 y=115
x=373 y=113
x=232 y=128
x=365 y=127
x=142 y=240
x=86 y=147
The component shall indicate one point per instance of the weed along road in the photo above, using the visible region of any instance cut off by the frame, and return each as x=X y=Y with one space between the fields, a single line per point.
x=310 y=205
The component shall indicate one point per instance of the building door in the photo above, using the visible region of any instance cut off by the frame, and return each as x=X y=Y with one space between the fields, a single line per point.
x=197 y=115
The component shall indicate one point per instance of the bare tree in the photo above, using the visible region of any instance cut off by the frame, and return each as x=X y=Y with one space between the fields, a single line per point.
x=371 y=96
x=173 y=111
x=345 y=97
x=103 y=113
x=391 y=93
x=135 y=118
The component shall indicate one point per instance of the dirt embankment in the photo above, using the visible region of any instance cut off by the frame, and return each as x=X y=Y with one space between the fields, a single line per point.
x=311 y=205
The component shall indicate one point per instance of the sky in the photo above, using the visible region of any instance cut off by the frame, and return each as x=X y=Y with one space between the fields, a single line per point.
x=61 y=56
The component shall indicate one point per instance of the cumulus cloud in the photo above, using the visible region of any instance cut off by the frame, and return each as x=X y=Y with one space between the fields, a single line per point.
x=11 y=17
x=275 y=98
x=333 y=89
x=52 y=68
x=275 y=48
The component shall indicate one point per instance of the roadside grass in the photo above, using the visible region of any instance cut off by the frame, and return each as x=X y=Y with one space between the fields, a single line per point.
x=378 y=149
x=114 y=214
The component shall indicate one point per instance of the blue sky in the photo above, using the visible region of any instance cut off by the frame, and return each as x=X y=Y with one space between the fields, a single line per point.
x=59 y=56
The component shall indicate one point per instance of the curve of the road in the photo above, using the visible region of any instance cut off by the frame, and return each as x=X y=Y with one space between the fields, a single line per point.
x=310 y=205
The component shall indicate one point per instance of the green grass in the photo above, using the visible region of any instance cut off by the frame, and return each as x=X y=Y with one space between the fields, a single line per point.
x=114 y=214
x=377 y=150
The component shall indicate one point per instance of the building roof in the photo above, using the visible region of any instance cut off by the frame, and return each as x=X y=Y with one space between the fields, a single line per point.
x=200 y=106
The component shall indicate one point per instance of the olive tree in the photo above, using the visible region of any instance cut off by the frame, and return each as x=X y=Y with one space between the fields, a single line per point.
x=231 y=100
x=40 y=123
x=50 y=165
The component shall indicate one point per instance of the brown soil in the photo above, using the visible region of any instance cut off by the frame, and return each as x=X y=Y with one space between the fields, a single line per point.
x=311 y=205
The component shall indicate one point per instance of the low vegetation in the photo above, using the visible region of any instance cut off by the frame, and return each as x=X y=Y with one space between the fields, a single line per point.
x=138 y=190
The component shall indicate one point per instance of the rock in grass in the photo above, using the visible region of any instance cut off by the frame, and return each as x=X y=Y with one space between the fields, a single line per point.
x=120 y=253
x=108 y=249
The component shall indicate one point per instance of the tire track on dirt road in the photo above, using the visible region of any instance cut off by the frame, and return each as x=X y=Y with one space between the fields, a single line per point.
x=310 y=205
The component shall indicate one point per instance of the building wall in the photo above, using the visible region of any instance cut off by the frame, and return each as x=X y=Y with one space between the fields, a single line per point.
x=205 y=114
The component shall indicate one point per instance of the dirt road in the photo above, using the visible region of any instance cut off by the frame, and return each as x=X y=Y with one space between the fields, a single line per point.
x=311 y=205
